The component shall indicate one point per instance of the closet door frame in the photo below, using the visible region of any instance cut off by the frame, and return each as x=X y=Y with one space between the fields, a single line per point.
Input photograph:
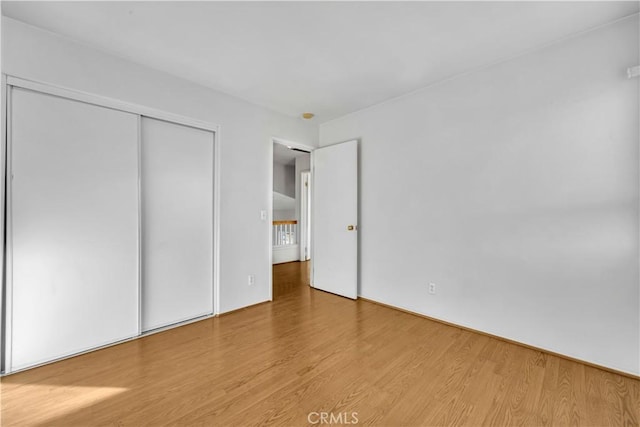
x=6 y=84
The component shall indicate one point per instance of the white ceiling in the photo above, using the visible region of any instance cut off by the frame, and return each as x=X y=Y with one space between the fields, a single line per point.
x=330 y=58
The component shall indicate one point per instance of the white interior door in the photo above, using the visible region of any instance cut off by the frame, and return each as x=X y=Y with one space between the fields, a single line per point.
x=177 y=223
x=73 y=227
x=334 y=220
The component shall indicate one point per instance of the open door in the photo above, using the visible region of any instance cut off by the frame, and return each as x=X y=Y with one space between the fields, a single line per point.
x=335 y=215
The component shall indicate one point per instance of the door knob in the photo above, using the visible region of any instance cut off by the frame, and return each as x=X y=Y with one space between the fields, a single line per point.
x=352 y=227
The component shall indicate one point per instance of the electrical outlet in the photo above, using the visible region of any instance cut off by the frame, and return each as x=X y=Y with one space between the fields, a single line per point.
x=251 y=280
x=432 y=288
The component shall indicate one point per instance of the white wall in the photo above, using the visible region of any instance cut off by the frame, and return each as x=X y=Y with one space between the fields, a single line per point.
x=284 y=214
x=246 y=132
x=286 y=253
x=284 y=181
x=519 y=188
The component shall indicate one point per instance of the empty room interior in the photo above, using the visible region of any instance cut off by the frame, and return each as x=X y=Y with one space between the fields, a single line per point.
x=320 y=213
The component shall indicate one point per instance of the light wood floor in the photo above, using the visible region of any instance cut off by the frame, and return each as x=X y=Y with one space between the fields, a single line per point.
x=290 y=277
x=310 y=351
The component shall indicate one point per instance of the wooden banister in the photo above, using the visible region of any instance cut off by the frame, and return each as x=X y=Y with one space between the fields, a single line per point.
x=285 y=222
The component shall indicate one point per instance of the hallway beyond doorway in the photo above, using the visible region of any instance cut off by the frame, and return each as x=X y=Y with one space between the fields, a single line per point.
x=290 y=277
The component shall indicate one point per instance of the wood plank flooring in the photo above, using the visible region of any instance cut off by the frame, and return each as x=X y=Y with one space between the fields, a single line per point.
x=289 y=277
x=311 y=352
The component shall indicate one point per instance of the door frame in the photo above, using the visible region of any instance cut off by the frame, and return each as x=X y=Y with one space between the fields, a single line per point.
x=310 y=149
x=10 y=81
x=305 y=215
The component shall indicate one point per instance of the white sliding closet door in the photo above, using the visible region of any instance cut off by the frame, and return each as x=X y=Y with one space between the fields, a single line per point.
x=177 y=223
x=73 y=230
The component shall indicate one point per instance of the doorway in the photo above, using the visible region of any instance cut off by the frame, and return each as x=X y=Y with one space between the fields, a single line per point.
x=290 y=218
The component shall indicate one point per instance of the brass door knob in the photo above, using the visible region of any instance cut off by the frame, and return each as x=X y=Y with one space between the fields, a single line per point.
x=351 y=227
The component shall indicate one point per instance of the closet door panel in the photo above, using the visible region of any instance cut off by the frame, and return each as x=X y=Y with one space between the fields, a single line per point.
x=74 y=227
x=177 y=218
